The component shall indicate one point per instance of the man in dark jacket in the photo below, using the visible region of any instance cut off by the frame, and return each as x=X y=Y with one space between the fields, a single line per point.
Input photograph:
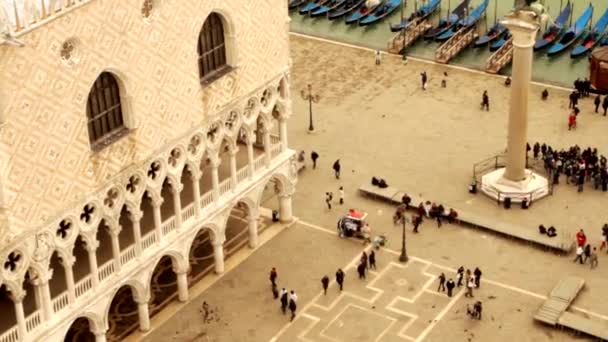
x=336 y=168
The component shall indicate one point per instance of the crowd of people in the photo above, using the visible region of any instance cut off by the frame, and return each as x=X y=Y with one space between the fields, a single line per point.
x=576 y=164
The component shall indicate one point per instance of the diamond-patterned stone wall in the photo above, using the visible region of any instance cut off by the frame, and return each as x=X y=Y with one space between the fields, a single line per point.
x=45 y=159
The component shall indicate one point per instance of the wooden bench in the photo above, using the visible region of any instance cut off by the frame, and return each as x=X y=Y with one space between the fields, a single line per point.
x=584 y=325
x=559 y=300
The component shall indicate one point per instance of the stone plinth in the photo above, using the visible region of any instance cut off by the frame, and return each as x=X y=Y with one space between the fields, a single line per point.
x=532 y=188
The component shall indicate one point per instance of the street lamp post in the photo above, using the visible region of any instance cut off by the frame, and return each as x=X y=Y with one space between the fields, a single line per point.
x=310 y=97
x=403 y=257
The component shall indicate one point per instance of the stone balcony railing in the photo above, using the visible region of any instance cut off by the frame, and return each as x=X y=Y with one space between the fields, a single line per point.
x=25 y=15
x=108 y=270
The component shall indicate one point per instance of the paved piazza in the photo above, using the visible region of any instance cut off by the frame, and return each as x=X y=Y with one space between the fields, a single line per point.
x=380 y=123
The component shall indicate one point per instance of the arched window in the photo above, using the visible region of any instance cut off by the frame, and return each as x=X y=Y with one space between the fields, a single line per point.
x=212 y=61
x=104 y=112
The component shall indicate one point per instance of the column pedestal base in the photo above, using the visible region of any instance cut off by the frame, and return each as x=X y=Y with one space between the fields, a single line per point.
x=532 y=188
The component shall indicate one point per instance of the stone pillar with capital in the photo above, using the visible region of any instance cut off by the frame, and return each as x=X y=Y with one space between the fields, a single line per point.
x=177 y=204
x=218 y=256
x=135 y=217
x=100 y=336
x=285 y=210
x=41 y=284
x=91 y=248
x=215 y=178
x=196 y=188
x=250 y=156
x=252 y=220
x=182 y=285
x=19 y=313
x=514 y=182
x=115 y=233
x=144 y=315
x=68 y=264
x=267 y=149
x=233 y=170
x=283 y=133
x=523 y=29
x=157 y=202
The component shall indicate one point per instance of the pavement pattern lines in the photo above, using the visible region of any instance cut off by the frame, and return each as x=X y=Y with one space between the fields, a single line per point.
x=399 y=302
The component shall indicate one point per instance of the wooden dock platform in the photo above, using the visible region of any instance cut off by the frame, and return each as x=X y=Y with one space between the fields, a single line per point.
x=500 y=58
x=398 y=43
x=454 y=45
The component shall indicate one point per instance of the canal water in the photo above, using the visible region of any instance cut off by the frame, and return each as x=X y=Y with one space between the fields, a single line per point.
x=560 y=70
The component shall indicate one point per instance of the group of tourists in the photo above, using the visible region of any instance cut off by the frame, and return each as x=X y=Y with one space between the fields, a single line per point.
x=582 y=90
x=583 y=250
x=578 y=165
x=428 y=209
x=464 y=278
x=287 y=299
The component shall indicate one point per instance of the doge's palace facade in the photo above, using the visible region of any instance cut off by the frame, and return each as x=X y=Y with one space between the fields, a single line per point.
x=137 y=141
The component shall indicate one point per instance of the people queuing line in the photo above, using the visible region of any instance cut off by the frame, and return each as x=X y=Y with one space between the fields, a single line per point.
x=578 y=165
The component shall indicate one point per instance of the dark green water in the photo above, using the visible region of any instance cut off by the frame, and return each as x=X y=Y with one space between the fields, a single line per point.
x=559 y=70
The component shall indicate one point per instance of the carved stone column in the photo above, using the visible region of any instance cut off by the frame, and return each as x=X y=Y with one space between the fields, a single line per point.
x=68 y=264
x=116 y=247
x=252 y=220
x=218 y=256
x=196 y=188
x=250 y=156
x=267 y=148
x=144 y=315
x=157 y=202
x=91 y=248
x=233 y=169
x=177 y=204
x=135 y=217
x=20 y=315
x=285 y=210
x=182 y=285
x=283 y=133
x=215 y=178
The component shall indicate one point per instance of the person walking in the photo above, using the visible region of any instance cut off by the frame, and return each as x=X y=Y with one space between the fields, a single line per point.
x=340 y=278
x=450 y=286
x=470 y=285
x=378 y=57
x=579 y=254
x=424 y=79
x=273 y=276
x=325 y=283
x=593 y=262
x=478 y=309
x=441 y=287
x=460 y=274
x=341 y=192
x=314 y=156
x=293 y=298
x=587 y=252
x=328 y=197
x=284 y=300
x=581 y=238
x=605 y=104
x=361 y=271
x=485 y=101
x=477 y=274
x=275 y=291
x=597 y=102
x=372 y=260
x=337 y=168
x=364 y=259
x=417 y=219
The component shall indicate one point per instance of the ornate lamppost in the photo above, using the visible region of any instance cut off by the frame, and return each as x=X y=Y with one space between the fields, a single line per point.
x=310 y=97
x=403 y=257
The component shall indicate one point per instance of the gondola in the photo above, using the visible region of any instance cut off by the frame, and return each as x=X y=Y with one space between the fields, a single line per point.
x=369 y=7
x=501 y=41
x=469 y=21
x=494 y=33
x=347 y=7
x=592 y=38
x=381 y=12
x=422 y=13
x=554 y=30
x=573 y=33
x=293 y=4
x=312 y=5
x=323 y=9
x=446 y=24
